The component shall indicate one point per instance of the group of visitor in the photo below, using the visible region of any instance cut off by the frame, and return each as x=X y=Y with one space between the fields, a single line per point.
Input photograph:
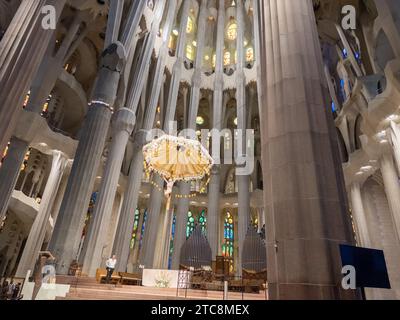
x=10 y=291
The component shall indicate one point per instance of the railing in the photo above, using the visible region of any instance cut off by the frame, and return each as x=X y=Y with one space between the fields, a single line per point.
x=208 y=281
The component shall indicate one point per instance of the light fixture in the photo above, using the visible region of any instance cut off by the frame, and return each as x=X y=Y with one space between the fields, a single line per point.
x=200 y=120
x=235 y=121
x=194 y=43
x=207 y=57
x=175 y=32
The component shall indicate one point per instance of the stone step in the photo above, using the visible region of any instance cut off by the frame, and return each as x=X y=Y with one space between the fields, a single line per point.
x=87 y=288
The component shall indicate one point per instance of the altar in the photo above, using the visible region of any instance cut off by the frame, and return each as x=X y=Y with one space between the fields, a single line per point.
x=158 y=278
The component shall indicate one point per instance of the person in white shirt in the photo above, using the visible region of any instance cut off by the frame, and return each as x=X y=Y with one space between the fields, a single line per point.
x=110 y=266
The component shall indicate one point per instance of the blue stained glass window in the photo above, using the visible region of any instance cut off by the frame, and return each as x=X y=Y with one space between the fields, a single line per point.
x=190 y=225
x=203 y=221
x=171 y=246
x=143 y=229
x=227 y=246
x=135 y=228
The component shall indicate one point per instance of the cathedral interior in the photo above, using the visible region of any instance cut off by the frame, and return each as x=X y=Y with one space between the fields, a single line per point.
x=321 y=103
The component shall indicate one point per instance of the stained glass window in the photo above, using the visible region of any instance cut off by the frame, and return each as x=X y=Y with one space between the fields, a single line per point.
x=227 y=247
x=171 y=246
x=227 y=58
x=135 y=228
x=143 y=229
x=203 y=221
x=249 y=54
x=190 y=52
x=190 y=225
x=171 y=42
x=231 y=32
x=190 y=25
x=192 y=221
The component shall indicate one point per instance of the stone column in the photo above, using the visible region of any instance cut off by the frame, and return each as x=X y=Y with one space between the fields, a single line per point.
x=181 y=221
x=147 y=254
x=38 y=230
x=42 y=85
x=9 y=172
x=125 y=121
x=392 y=188
x=65 y=241
x=135 y=180
x=213 y=212
x=303 y=187
x=243 y=178
x=122 y=127
x=23 y=47
x=243 y=217
x=161 y=258
x=196 y=79
x=177 y=69
x=359 y=216
x=126 y=220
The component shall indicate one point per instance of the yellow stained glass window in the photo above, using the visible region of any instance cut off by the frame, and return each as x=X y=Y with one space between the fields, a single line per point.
x=190 y=52
x=171 y=43
x=249 y=54
x=214 y=60
x=232 y=31
x=190 y=25
x=227 y=58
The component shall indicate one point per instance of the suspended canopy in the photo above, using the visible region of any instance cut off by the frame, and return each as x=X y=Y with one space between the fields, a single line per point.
x=177 y=159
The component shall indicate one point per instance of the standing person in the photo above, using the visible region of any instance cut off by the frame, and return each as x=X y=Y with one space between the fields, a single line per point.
x=15 y=294
x=110 y=266
x=11 y=289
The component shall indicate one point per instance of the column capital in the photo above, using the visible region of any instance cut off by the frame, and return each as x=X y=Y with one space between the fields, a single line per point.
x=114 y=57
x=140 y=138
x=124 y=120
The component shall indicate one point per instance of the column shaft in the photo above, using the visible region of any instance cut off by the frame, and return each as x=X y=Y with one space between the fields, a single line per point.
x=135 y=181
x=392 y=188
x=123 y=126
x=213 y=212
x=9 y=172
x=126 y=220
x=38 y=229
x=147 y=254
x=24 y=48
x=359 y=215
x=181 y=221
x=303 y=187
